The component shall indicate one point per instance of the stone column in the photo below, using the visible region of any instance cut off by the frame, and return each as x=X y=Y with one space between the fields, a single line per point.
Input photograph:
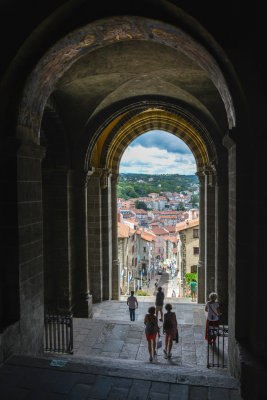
x=80 y=272
x=29 y=238
x=58 y=246
x=221 y=243
x=94 y=216
x=115 y=261
x=106 y=229
x=209 y=231
x=201 y=298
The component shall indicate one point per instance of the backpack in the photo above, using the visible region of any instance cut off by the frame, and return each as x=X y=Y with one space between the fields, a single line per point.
x=168 y=322
x=151 y=328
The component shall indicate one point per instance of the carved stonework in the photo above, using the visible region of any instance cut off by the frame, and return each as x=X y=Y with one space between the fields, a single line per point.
x=104 y=175
x=201 y=177
x=210 y=172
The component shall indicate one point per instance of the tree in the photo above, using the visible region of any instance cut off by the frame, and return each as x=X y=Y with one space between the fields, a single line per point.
x=181 y=206
x=140 y=205
x=189 y=276
x=194 y=200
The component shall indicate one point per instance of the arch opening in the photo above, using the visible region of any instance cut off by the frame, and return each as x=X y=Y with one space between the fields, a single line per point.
x=155 y=214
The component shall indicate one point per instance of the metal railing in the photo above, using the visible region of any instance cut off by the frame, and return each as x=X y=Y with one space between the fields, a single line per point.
x=217 y=346
x=58 y=333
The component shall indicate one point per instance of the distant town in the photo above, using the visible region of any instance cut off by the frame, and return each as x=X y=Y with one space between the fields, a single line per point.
x=158 y=229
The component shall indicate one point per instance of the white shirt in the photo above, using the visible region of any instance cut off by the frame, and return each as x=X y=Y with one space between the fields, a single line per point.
x=212 y=314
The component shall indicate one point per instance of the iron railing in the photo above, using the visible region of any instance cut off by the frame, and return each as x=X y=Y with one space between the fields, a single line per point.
x=58 y=334
x=217 y=346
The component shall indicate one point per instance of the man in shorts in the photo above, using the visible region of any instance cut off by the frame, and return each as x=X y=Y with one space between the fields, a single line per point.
x=133 y=304
x=159 y=302
x=193 y=286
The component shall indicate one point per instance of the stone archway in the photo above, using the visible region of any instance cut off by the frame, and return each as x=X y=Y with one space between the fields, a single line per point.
x=106 y=155
x=87 y=182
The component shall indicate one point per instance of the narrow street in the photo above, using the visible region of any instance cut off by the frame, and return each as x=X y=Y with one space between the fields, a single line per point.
x=167 y=285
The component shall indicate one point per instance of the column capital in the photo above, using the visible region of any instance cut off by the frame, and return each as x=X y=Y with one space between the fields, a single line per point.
x=201 y=176
x=210 y=172
x=103 y=174
x=100 y=173
x=106 y=172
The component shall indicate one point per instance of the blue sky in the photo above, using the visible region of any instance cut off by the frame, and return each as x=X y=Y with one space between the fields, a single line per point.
x=158 y=152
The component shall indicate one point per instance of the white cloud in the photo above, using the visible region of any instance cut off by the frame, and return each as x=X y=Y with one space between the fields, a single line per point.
x=153 y=160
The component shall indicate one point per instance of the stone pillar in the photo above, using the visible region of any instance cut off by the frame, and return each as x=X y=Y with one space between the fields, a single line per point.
x=106 y=229
x=58 y=247
x=115 y=260
x=30 y=247
x=221 y=243
x=209 y=231
x=80 y=272
x=201 y=298
x=94 y=216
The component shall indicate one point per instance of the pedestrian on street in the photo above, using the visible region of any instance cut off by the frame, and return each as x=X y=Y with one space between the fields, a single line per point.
x=213 y=309
x=159 y=303
x=151 y=330
x=170 y=328
x=156 y=284
x=133 y=304
x=193 y=286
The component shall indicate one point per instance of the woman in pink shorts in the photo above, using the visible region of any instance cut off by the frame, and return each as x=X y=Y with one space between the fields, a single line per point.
x=152 y=329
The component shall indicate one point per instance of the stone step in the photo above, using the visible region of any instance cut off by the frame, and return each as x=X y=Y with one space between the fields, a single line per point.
x=137 y=370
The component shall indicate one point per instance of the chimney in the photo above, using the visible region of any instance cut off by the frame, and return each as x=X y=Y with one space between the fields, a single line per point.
x=118 y=216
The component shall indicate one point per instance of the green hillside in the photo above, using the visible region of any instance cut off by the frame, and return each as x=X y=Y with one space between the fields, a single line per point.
x=140 y=185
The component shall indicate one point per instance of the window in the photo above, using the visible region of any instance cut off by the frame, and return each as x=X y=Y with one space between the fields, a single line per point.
x=194 y=269
x=196 y=250
x=144 y=249
x=195 y=233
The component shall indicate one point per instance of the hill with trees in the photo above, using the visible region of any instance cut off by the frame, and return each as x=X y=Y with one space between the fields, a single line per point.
x=140 y=185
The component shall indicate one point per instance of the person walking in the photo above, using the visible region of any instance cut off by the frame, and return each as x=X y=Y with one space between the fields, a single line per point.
x=159 y=303
x=193 y=286
x=133 y=304
x=213 y=309
x=151 y=331
x=170 y=328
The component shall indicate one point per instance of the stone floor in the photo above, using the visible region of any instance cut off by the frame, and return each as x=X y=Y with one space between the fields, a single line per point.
x=111 y=334
x=110 y=361
x=47 y=378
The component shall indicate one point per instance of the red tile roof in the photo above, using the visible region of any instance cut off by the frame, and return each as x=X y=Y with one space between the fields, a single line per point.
x=159 y=231
x=123 y=230
x=187 y=224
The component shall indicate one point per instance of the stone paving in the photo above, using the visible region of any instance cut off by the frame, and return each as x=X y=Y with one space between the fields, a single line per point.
x=110 y=361
x=111 y=334
x=37 y=379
